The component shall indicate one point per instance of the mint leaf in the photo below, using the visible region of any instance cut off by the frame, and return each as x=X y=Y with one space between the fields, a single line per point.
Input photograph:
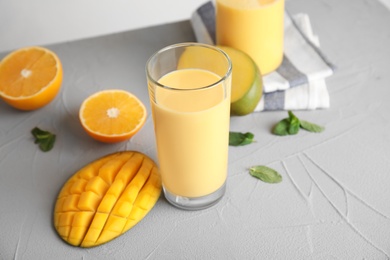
x=239 y=139
x=292 y=117
x=281 y=128
x=311 y=127
x=45 y=139
x=265 y=174
x=294 y=123
x=287 y=126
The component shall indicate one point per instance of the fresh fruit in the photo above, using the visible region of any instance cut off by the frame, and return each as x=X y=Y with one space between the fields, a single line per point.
x=106 y=198
x=112 y=115
x=30 y=77
x=247 y=84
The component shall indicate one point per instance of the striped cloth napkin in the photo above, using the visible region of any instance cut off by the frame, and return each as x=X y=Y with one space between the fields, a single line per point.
x=299 y=82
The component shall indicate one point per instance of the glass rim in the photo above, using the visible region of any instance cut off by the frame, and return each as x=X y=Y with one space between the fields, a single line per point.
x=189 y=44
x=262 y=6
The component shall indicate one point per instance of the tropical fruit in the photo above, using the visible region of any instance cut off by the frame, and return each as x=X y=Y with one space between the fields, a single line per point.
x=30 y=77
x=106 y=198
x=247 y=83
x=112 y=115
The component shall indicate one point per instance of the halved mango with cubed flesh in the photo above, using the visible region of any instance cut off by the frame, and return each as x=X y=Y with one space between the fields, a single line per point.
x=247 y=83
x=106 y=198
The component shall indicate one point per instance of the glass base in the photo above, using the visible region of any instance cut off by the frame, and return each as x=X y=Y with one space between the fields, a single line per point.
x=197 y=203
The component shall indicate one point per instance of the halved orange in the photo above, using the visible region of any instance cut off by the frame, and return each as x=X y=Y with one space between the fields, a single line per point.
x=112 y=115
x=30 y=77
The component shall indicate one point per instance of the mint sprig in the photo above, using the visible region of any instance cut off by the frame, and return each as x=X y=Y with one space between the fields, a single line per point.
x=292 y=124
x=240 y=139
x=43 y=138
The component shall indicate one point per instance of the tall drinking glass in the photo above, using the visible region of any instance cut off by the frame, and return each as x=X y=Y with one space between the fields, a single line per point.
x=189 y=88
x=255 y=27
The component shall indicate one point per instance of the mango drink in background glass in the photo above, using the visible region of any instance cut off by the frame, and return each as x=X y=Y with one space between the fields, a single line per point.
x=190 y=101
x=253 y=26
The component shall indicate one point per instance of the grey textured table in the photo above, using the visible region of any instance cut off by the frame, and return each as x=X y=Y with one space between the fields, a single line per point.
x=333 y=203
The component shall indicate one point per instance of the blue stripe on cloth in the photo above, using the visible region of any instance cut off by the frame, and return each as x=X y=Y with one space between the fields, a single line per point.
x=207 y=14
x=274 y=100
x=288 y=71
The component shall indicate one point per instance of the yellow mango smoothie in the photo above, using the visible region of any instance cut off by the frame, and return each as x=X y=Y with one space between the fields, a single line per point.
x=191 y=127
x=253 y=26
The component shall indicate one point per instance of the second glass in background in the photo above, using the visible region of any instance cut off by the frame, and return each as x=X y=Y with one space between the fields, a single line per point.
x=255 y=27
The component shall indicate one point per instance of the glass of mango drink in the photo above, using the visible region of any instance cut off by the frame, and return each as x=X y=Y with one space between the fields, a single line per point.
x=190 y=101
x=255 y=27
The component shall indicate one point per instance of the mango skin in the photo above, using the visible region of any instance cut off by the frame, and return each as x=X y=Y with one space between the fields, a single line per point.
x=249 y=101
x=106 y=198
